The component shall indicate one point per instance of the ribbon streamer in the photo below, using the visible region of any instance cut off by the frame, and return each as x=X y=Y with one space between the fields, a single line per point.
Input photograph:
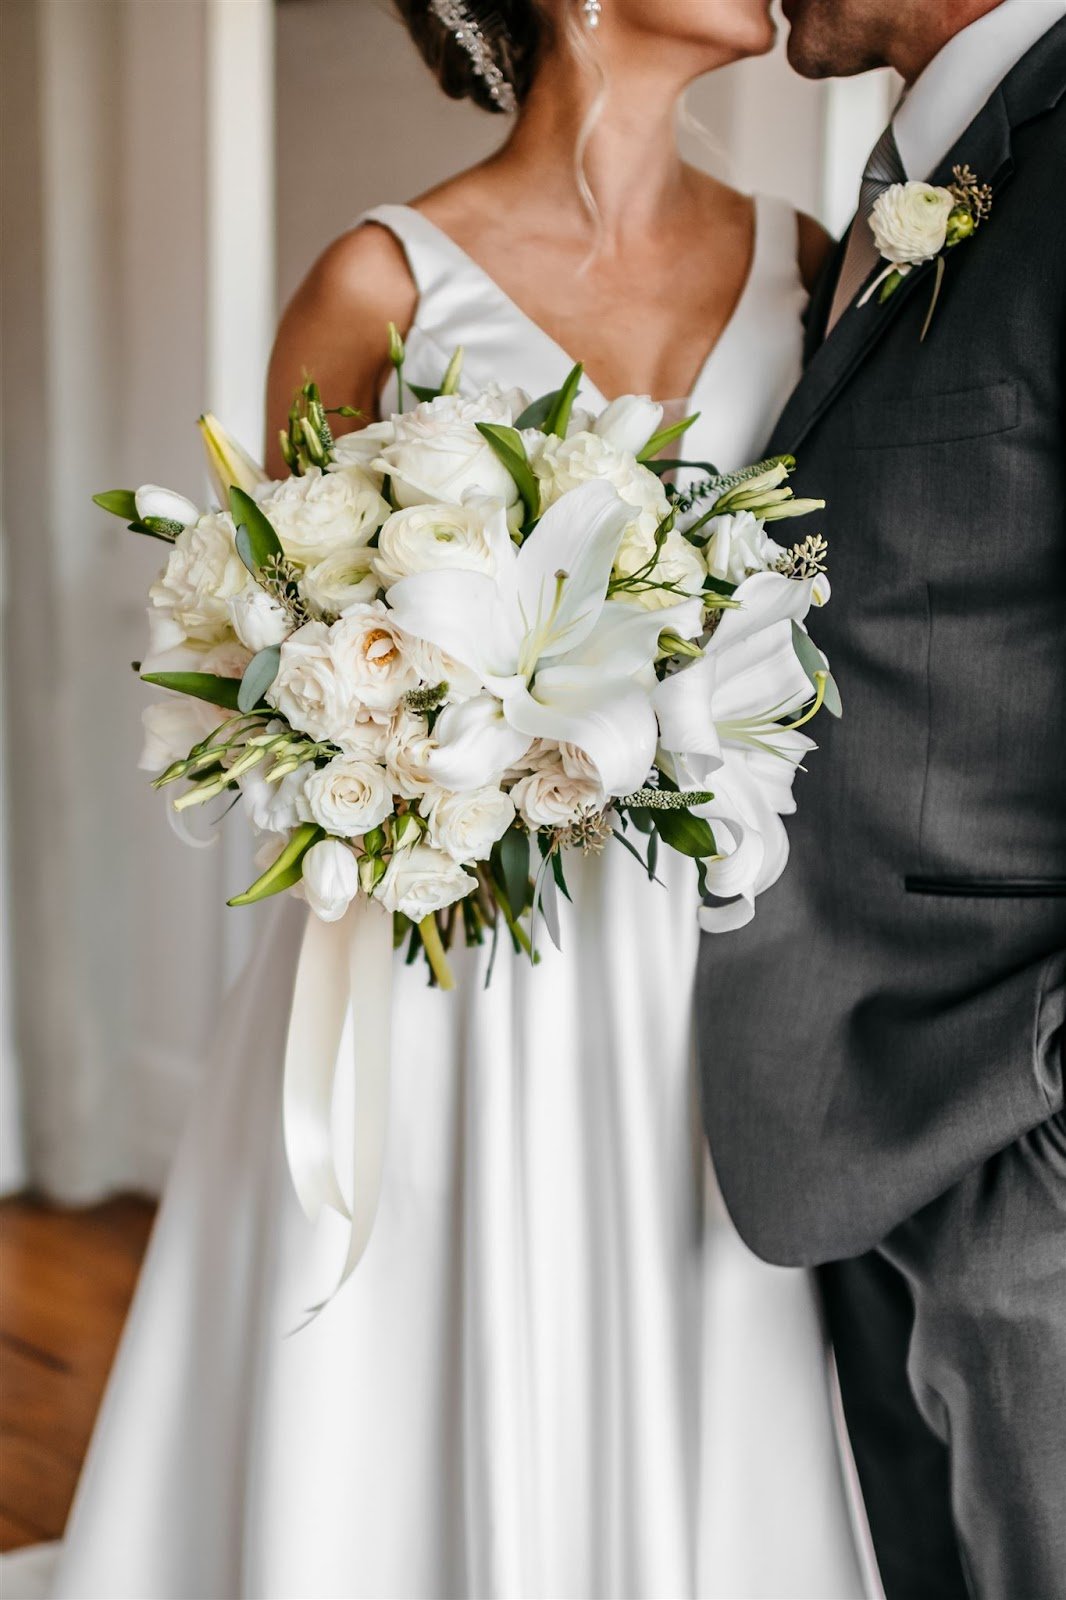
x=348 y=962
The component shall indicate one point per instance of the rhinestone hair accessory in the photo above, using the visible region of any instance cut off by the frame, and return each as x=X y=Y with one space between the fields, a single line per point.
x=458 y=19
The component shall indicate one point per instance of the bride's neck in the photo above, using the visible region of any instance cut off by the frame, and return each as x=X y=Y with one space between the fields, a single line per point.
x=630 y=159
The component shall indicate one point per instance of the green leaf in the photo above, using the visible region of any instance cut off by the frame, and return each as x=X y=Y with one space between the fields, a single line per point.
x=665 y=436
x=420 y=391
x=720 y=586
x=257 y=543
x=259 y=674
x=558 y=419
x=560 y=874
x=537 y=410
x=508 y=445
x=810 y=659
x=512 y=853
x=286 y=870
x=120 y=502
x=653 y=852
x=689 y=835
x=200 y=685
x=663 y=464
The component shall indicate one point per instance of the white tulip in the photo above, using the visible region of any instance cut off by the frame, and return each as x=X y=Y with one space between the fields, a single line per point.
x=259 y=621
x=421 y=880
x=629 y=422
x=330 y=878
x=349 y=796
x=466 y=826
x=153 y=501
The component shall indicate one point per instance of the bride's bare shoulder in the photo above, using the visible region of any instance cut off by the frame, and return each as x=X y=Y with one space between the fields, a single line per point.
x=815 y=245
x=335 y=326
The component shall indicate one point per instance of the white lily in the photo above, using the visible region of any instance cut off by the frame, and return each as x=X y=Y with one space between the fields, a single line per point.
x=228 y=462
x=556 y=658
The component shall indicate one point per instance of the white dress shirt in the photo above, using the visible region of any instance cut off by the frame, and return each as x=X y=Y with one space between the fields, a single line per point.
x=945 y=98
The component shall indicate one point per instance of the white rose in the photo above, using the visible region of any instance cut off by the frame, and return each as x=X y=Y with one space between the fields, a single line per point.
x=173 y=726
x=910 y=220
x=438 y=454
x=340 y=580
x=679 y=564
x=738 y=545
x=629 y=422
x=564 y=463
x=258 y=619
x=425 y=537
x=434 y=667
x=408 y=749
x=421 y=880
x=349 y=796
x=274 y=807
x=202 y=574
x=552 y=797
x=322 y=512
x=308 y=690
x=330 y=878
x=373 y=655
x=361 y=448
x=466 y=826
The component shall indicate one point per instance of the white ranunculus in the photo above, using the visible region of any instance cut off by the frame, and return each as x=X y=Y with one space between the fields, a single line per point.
x=309 y=691
x=425 y=537
x=563 y=464
x=407 y=751
x=629 y=422
x=373 y=655
x=552 y=797
x=153 y=501
x=362 y=448
x=738 y=545
x=330 y=878
x=349 y=796
x=203 y=573
x=466 y=826
x=275 y=807
x=420 y=880
x=437 y=454
x=258 y=619
x=340 y=580
x=910 y=220
x=679 y=564
x=173 y=726
x=322 y=512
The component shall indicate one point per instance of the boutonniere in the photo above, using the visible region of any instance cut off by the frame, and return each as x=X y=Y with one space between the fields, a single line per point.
x=917 y=222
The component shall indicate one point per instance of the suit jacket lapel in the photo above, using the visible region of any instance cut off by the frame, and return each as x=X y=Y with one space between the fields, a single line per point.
x=1035 y=85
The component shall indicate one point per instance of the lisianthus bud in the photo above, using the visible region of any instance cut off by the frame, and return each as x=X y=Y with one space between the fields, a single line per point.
x=407 y=830
x=371 y=871
x=374 y=841
x=396 y=351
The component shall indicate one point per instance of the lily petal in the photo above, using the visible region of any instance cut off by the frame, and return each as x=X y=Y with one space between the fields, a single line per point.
x=763 y=599
x=625 y=638
x=474 y=744
x=684 y=704
x=611 y=721
x=760 y=677
x=564 y=566
x=460 y=612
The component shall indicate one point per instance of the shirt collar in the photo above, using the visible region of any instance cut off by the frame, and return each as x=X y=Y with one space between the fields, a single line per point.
x=947 y=96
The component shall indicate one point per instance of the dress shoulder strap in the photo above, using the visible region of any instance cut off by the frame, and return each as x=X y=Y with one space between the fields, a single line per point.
x=432 y=257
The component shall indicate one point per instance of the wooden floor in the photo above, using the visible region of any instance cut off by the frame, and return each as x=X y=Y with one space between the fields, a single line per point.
x=66 y=1278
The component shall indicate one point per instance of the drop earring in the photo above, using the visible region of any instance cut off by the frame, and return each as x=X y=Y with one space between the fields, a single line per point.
x=592 y=10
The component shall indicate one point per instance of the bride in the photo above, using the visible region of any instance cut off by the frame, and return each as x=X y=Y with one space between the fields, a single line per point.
x=557 y=1371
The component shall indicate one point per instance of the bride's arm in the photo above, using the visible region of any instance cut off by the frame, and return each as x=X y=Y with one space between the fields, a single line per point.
x=334 y=330
x=814 y=247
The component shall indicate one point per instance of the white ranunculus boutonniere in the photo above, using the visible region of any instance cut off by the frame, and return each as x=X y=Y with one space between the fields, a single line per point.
x=917 y=222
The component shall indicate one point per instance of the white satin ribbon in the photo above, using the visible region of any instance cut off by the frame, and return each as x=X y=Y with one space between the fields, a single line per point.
x=348 y=962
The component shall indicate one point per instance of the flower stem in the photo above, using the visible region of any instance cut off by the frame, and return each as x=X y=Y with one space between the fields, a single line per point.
x=434 y=948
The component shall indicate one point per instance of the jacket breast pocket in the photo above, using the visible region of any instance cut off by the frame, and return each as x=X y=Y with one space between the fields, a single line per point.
x=888 y=422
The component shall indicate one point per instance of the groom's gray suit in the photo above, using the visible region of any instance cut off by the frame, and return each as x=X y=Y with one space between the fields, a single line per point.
x=883 y=1046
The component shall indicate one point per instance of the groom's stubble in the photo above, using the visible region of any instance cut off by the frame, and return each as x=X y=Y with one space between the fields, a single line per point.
x=839 y=38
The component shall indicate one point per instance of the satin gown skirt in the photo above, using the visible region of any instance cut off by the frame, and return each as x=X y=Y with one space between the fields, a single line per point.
x=557 y=1371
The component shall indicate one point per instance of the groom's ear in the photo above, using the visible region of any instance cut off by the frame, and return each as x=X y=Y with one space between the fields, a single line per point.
x=815 y=247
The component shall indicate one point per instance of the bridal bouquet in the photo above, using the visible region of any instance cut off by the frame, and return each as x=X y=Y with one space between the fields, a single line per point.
x=457 y=643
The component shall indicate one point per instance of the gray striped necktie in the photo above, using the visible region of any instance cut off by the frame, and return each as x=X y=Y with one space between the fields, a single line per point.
x=884 y=168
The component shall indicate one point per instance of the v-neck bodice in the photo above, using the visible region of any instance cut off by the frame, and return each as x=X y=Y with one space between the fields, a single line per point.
x=741 y=387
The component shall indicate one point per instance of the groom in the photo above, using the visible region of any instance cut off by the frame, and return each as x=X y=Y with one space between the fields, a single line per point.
x=883 y=1068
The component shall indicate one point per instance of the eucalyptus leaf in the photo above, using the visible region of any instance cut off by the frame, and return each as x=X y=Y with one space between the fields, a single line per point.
x=120 y=502
x=286 y=871
x=508 y=446
x=259 y=674
x=257 y=543
x=558 y=419
x=665 y=436
x=811 y=660
x=200 y=685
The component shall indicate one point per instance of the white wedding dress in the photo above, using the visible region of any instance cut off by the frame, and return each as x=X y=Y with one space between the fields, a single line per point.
x=557 y=1372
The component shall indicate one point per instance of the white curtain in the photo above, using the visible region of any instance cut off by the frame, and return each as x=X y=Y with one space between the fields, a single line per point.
x=138 y=278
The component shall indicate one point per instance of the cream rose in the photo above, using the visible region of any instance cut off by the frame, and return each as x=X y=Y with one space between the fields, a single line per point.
x=203 y=573
x=557 y=793
x=340 y=580
x=420 y=880
x=437 y=454
x=466 y=826
x=258 y=619
x=373 y=655
x=564 y=463
x=425 y=537
x=408 y=748
x=308 y=690
x=330 y=878
x=349 y=796
x=909 y=222
x=679 y=564
x=322 y=512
